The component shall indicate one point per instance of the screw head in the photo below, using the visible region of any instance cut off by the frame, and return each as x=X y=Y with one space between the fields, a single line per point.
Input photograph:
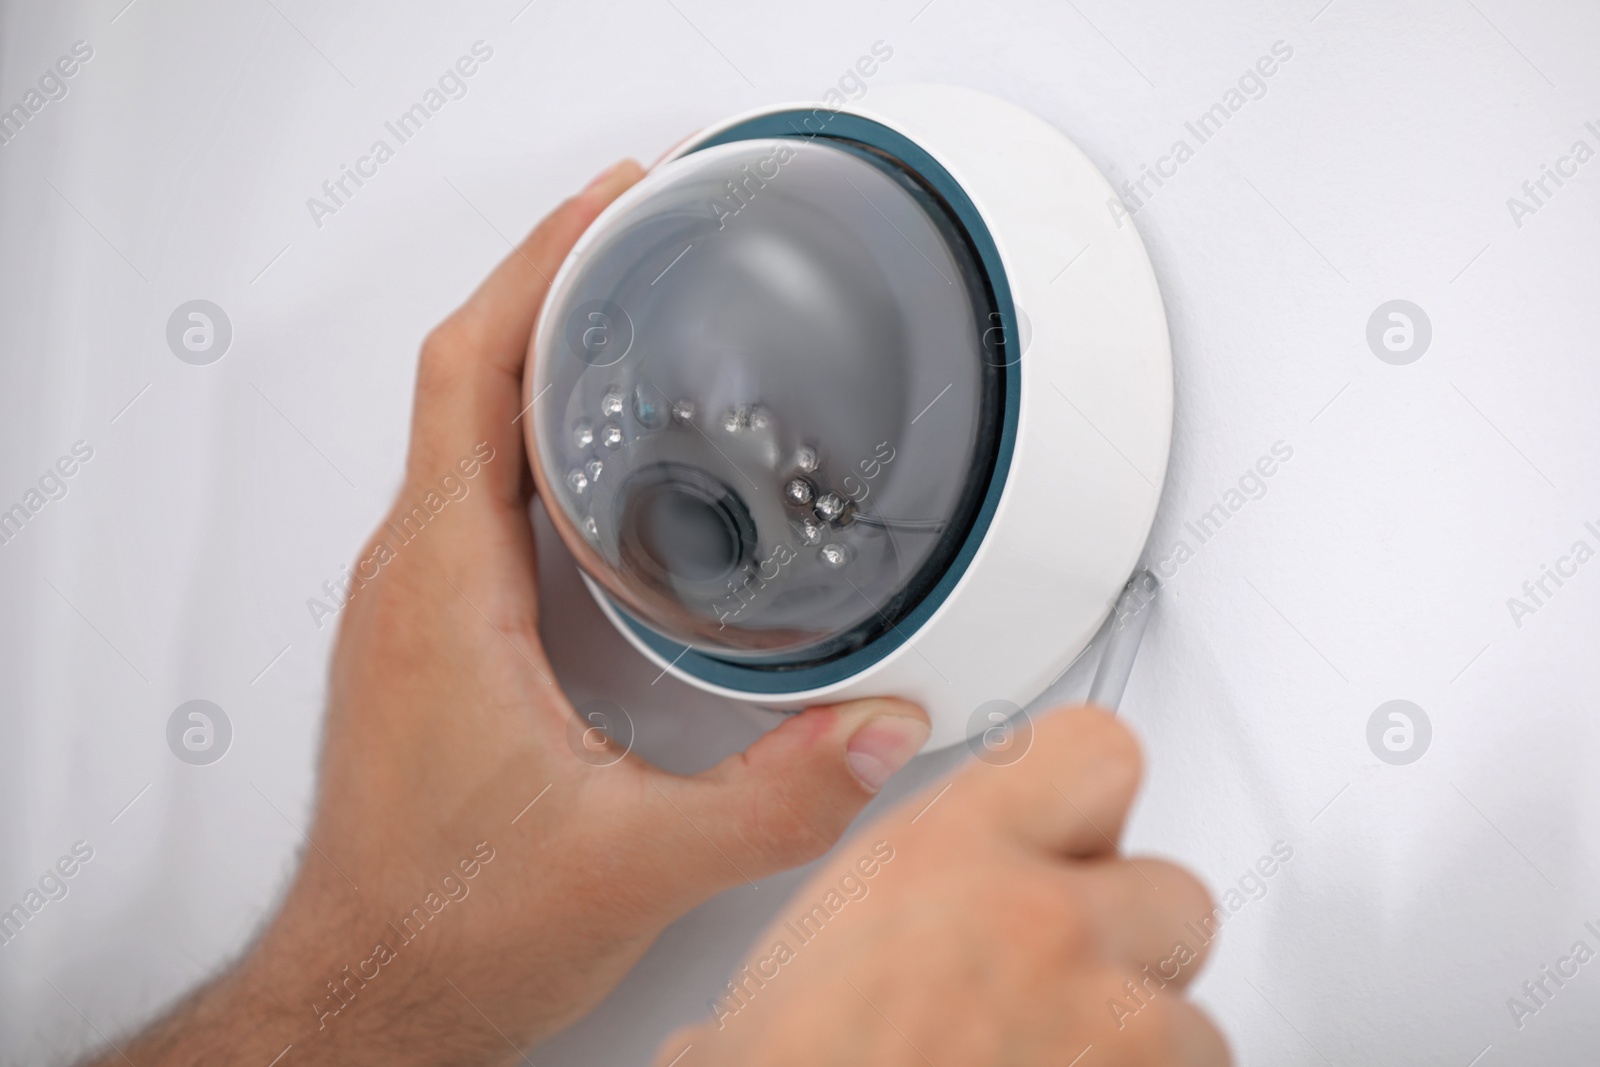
x=829 y=506
x=797 y=491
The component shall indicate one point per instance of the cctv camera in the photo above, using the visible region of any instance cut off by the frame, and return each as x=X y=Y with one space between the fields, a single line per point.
x=858 y=402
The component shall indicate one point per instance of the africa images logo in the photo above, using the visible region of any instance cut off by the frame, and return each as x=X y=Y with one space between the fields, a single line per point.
x=53 y=86
x=199 y=732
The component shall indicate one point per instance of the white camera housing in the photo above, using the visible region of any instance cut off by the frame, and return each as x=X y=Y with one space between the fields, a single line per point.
x=1087 y=416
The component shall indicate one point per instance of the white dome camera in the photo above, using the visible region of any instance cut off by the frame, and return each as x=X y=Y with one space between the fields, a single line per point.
x=867 y=402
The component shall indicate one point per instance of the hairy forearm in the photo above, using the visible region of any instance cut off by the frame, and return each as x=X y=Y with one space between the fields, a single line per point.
x=226 y=1020
x=295 y=1000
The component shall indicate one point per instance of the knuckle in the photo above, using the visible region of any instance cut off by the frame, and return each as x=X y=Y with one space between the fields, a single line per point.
x=1153 y=1032
x=1124 y=1017
x=783 y=834
x=1179 y=1030
x=1200 y=1032
x=1115 y=745
x=1195 y=898
x=1099 y=740
x=445 y=349
x=439 y=345
x=456 y=334
x=1073 y=934
x=1043 y=918
x=1153 y=1024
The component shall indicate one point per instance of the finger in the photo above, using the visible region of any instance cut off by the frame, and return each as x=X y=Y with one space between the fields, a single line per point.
x=1142 y=1023
x=1192 y=1039
x=790 y=796
x=506 y=305
x=469 y=382
x=1147 y=914
x=1068 y=794
x=680 y=1041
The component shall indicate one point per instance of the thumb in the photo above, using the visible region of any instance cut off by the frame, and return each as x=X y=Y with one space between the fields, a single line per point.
x=790 y=796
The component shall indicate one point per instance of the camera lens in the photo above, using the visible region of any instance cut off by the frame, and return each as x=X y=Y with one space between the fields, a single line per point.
x=680 y=527
x=764 y=416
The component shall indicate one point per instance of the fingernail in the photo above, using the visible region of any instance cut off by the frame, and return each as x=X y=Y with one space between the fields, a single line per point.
x=599 y=179
x=883 y=746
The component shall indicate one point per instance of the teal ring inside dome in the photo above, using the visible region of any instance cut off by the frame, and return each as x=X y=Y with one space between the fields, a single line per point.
x=768 y=680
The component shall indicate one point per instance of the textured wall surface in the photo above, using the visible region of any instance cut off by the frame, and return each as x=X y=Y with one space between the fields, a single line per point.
x=1384 y=159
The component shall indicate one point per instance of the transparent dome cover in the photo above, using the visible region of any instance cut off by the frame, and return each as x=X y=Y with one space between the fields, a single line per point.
x=765 y=415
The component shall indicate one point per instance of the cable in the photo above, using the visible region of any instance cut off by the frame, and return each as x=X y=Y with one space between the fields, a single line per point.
x=1123 y=632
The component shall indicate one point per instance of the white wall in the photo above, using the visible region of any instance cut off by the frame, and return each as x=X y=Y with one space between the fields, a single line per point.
x=1377 y=566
